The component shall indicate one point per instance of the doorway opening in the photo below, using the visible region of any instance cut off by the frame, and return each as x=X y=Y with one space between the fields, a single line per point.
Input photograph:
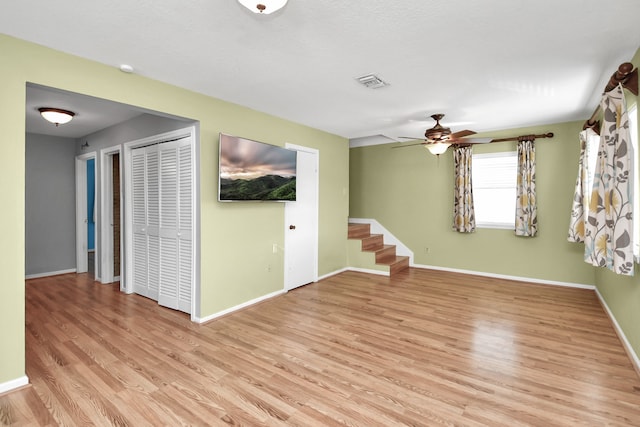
x=85 y=210
x=111 y=224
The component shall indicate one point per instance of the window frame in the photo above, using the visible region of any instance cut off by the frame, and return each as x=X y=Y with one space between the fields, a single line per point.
x=483 y=222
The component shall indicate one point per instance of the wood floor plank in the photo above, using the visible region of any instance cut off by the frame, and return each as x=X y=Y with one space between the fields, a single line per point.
x=424 y=348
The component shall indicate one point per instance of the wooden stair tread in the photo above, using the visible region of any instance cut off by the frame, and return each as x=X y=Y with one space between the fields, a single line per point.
x=396 y=259
x=373 y=242
x=386 y=253
x=357 y=231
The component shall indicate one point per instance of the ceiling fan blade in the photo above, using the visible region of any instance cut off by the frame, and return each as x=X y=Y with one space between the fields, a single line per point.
x=409 y=145
x=411 y=137
x=462 y=133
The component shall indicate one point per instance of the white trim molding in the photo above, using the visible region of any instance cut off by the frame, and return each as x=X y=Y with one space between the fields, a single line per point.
x=333 y=273
x=635 y=360
x=105 y=212
x=14 y=384
x=507 y=277
x=238 y=307
x=369 y=271
x=49 y=273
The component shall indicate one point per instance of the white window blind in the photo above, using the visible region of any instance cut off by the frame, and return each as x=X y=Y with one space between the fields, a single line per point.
x=494 y=189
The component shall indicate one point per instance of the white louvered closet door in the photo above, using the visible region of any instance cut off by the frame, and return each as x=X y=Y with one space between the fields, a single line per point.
x=162 y=192
x=146 y=243
x=139 y=218
x=153 y=222
x=176 y=198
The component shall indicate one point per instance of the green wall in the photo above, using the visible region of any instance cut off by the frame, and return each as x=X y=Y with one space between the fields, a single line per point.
x=236 y=239
x=410 y=192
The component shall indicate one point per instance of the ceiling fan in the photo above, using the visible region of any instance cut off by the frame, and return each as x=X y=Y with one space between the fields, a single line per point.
x=439 y=138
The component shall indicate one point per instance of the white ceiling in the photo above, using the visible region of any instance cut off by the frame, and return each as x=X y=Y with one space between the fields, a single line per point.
x=492 y=64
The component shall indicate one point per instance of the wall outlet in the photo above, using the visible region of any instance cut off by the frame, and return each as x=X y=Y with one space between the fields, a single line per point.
x=275 y=248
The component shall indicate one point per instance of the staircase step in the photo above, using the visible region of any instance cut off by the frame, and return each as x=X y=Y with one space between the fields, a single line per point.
x=373 y=243
x=387 y=253
x=358 y=231
x=399 y=264
x=384 y=255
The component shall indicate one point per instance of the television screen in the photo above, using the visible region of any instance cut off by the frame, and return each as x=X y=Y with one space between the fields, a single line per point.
x=252 y=170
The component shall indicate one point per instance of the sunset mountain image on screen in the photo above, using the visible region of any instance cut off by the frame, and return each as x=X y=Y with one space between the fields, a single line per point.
x=252 y=170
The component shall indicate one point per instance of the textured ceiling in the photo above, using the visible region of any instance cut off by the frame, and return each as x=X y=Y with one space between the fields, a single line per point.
x=492 y=64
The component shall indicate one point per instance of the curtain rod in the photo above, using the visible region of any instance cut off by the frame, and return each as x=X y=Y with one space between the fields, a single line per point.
x=511 y=138
x=625 y=74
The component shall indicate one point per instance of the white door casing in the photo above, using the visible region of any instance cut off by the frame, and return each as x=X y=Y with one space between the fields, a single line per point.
x=301 y=222
x=81 y=214
x=106 y=215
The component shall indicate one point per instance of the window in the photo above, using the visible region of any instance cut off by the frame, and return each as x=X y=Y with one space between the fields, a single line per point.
x=494 y=189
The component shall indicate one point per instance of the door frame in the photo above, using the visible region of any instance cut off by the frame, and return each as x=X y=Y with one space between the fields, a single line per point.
x=82 y=237
x=106 y=208
x=126 y=259
x=287 y=250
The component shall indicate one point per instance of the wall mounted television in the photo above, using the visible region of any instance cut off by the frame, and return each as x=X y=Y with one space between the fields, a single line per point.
x=255 y=171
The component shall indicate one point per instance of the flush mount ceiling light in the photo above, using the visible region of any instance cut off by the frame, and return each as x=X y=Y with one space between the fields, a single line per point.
x=56 y=115
x=263 y=6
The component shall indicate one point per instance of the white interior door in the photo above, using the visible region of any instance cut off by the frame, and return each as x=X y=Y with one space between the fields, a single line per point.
x=301 y=222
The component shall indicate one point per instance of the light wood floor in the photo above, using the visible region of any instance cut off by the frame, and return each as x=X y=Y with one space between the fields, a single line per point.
x=425 y=348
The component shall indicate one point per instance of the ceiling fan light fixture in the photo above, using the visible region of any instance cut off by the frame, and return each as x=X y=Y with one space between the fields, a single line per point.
x=438 y=132
x=56 y=116
x=264 y=7
x=437 y=148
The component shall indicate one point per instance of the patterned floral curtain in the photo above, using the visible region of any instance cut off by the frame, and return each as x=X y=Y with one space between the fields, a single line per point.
x=581 y=194
x=464 y=219
x=609 y=226
x=526 y=210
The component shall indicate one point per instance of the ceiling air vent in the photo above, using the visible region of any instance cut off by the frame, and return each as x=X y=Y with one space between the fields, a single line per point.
x=372 y=81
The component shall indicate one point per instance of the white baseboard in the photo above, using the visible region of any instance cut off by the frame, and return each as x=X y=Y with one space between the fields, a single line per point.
x=356 y=269
x=507 y=277
x=369 y=271
x=237 y=307
x=333 y=273
x=625 y=342
x=14 y=384
x=50 y=273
